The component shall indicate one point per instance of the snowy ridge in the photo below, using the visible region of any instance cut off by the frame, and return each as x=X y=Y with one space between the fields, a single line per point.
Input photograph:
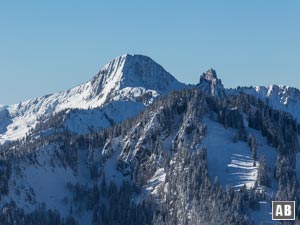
x=279 y=97
x=126 y=78
x=86 y=121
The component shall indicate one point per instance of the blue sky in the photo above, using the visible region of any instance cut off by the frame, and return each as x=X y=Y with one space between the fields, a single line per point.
x=48 y=46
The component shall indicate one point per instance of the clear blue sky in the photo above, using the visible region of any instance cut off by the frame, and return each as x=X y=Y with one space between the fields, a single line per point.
x=47 y=46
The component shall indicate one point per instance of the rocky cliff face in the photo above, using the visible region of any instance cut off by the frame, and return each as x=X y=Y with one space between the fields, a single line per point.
x=210 y=83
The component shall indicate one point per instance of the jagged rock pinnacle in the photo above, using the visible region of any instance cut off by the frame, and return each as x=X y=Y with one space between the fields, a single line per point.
x=209 y=75
x=210 y=83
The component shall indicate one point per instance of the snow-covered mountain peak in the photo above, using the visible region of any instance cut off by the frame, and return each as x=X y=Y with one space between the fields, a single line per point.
x=210 y=83
x=134 y=71
x=133 y=78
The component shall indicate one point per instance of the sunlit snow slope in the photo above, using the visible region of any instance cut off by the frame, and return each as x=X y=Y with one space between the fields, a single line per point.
x=128 y=78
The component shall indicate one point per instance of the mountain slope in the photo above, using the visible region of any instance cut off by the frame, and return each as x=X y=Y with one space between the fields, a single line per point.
x=126 y=78
x=106 y=153
x=169 y=155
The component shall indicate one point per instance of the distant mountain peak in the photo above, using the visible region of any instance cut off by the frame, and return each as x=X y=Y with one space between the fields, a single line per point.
x=134 y=71
x=128 y=78
x=210 y=83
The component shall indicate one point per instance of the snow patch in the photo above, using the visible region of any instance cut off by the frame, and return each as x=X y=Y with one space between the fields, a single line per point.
x=156 y=181
x=231 y=162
